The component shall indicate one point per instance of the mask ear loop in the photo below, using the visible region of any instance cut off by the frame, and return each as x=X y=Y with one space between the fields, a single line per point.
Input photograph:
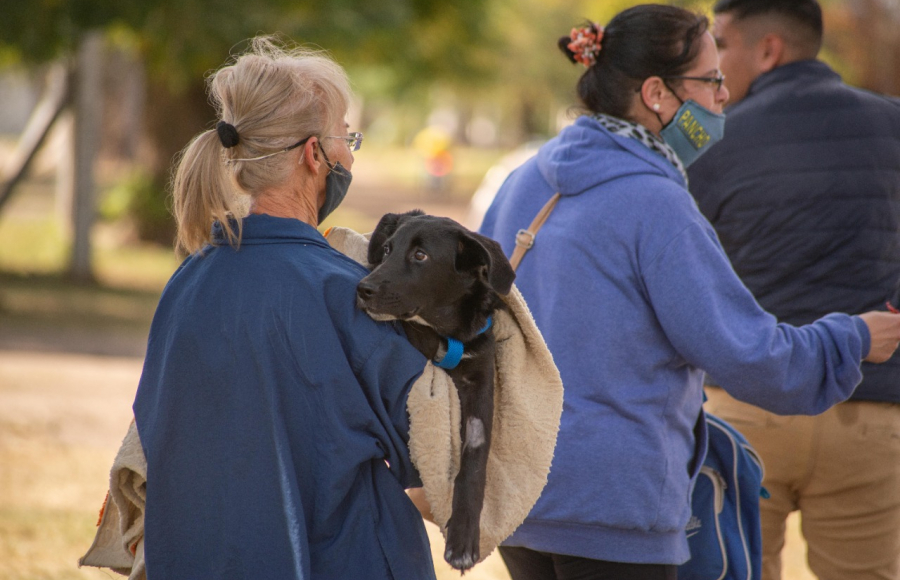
x=327 y=160
x=285 y=150
x=336 y=167
x=655 y=107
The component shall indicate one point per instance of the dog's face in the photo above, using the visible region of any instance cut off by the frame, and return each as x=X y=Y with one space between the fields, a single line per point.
x=424 y=266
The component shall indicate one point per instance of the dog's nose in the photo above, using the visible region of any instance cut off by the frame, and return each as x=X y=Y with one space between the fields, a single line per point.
x=365 y=290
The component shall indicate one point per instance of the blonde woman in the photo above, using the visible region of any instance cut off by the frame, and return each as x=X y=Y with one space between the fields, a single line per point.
x=272 y=412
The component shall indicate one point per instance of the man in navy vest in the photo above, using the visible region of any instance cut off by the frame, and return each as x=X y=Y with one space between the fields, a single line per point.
x=804 y=193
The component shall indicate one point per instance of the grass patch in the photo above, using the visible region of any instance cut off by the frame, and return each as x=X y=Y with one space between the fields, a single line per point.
x=37 y=245
x=42 y=309
x=50 y=302
x=32 y=244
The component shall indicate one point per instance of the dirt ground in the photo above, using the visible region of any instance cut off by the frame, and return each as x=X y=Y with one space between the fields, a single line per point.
x=62 y=417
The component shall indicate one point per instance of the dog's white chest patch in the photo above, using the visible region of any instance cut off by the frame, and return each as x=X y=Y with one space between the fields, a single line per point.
x=474 y=433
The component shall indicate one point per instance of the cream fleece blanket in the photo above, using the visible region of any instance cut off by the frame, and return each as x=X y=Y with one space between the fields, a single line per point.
x=119 y=542
x=528 y=398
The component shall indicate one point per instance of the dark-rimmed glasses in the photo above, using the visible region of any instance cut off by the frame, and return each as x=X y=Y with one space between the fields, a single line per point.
x=716 y=80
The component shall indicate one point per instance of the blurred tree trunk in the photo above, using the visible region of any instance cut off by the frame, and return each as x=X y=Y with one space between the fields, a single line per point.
x=125 y=87
x=172 y=118
x=88 y=116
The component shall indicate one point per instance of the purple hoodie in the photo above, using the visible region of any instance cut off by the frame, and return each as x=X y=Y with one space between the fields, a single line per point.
x=634 y=296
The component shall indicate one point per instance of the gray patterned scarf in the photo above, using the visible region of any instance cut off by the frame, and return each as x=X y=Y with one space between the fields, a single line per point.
x=625 y=128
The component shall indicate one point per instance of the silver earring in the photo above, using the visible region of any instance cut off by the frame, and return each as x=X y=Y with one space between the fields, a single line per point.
x=655 y=106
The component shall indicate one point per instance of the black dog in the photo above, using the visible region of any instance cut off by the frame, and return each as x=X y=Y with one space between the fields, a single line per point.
x=444 y=281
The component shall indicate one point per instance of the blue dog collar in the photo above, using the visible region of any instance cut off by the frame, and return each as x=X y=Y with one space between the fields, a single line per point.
x=455 y=349
x=453 y=356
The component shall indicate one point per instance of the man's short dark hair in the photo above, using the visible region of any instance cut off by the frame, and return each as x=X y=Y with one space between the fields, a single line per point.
x=806 y=13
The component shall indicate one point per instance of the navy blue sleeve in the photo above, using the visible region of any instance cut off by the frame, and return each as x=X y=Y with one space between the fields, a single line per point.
x=388 y=374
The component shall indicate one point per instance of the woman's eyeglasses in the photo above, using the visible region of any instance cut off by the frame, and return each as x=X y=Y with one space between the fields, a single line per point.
x=716 y=80
x=354 y=140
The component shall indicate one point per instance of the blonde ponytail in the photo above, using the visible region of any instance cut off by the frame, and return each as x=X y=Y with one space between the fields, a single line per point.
x=203 y=195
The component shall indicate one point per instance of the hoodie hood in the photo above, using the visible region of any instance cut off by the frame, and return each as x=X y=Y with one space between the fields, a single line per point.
x=585 y=155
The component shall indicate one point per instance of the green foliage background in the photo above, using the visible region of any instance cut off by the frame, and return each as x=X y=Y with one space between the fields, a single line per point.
x=406 y=58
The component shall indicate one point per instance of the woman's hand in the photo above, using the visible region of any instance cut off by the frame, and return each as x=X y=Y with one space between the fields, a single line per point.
x=417 y=495
x=884 y=328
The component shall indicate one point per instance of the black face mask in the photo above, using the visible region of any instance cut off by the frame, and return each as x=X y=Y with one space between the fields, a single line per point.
x=336 y=185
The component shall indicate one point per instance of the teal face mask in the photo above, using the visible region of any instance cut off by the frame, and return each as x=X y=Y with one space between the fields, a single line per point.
x=692 y=131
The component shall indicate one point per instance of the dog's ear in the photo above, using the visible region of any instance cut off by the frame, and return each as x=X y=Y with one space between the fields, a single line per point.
x=386 y=227
x=481 y=252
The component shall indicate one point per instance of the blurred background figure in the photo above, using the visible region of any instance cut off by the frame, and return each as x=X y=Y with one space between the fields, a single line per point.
x=433 y=144
x=494 y=178
x=804 y=193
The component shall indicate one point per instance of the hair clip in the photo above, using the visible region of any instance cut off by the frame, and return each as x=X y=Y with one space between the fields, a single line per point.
x=585 y=43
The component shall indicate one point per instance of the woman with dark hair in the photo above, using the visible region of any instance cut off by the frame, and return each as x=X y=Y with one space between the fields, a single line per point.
x=634 y=296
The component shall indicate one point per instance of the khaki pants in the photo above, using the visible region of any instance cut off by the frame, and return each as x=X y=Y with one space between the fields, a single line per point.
x=841 y=469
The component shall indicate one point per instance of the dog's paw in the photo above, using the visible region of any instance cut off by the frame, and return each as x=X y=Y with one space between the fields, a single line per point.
x=462 y=546
x=463 y=561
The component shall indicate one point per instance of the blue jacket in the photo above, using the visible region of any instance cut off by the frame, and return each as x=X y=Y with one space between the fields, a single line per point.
x=634 y=296
x=273 y=417
x=804 y=192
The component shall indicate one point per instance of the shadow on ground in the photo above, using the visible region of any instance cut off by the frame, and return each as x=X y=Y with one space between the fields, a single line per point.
x=48 y=313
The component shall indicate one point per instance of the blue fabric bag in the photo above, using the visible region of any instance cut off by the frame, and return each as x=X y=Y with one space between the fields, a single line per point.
x=724 y=530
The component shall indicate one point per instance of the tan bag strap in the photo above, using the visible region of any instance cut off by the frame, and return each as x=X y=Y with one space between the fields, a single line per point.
x=525 y=238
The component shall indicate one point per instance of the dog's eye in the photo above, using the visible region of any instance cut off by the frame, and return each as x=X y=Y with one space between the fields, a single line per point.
x=420 y=256
x=387 y=251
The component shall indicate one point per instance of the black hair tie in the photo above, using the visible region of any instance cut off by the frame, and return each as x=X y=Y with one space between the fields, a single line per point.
x=228 y=135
